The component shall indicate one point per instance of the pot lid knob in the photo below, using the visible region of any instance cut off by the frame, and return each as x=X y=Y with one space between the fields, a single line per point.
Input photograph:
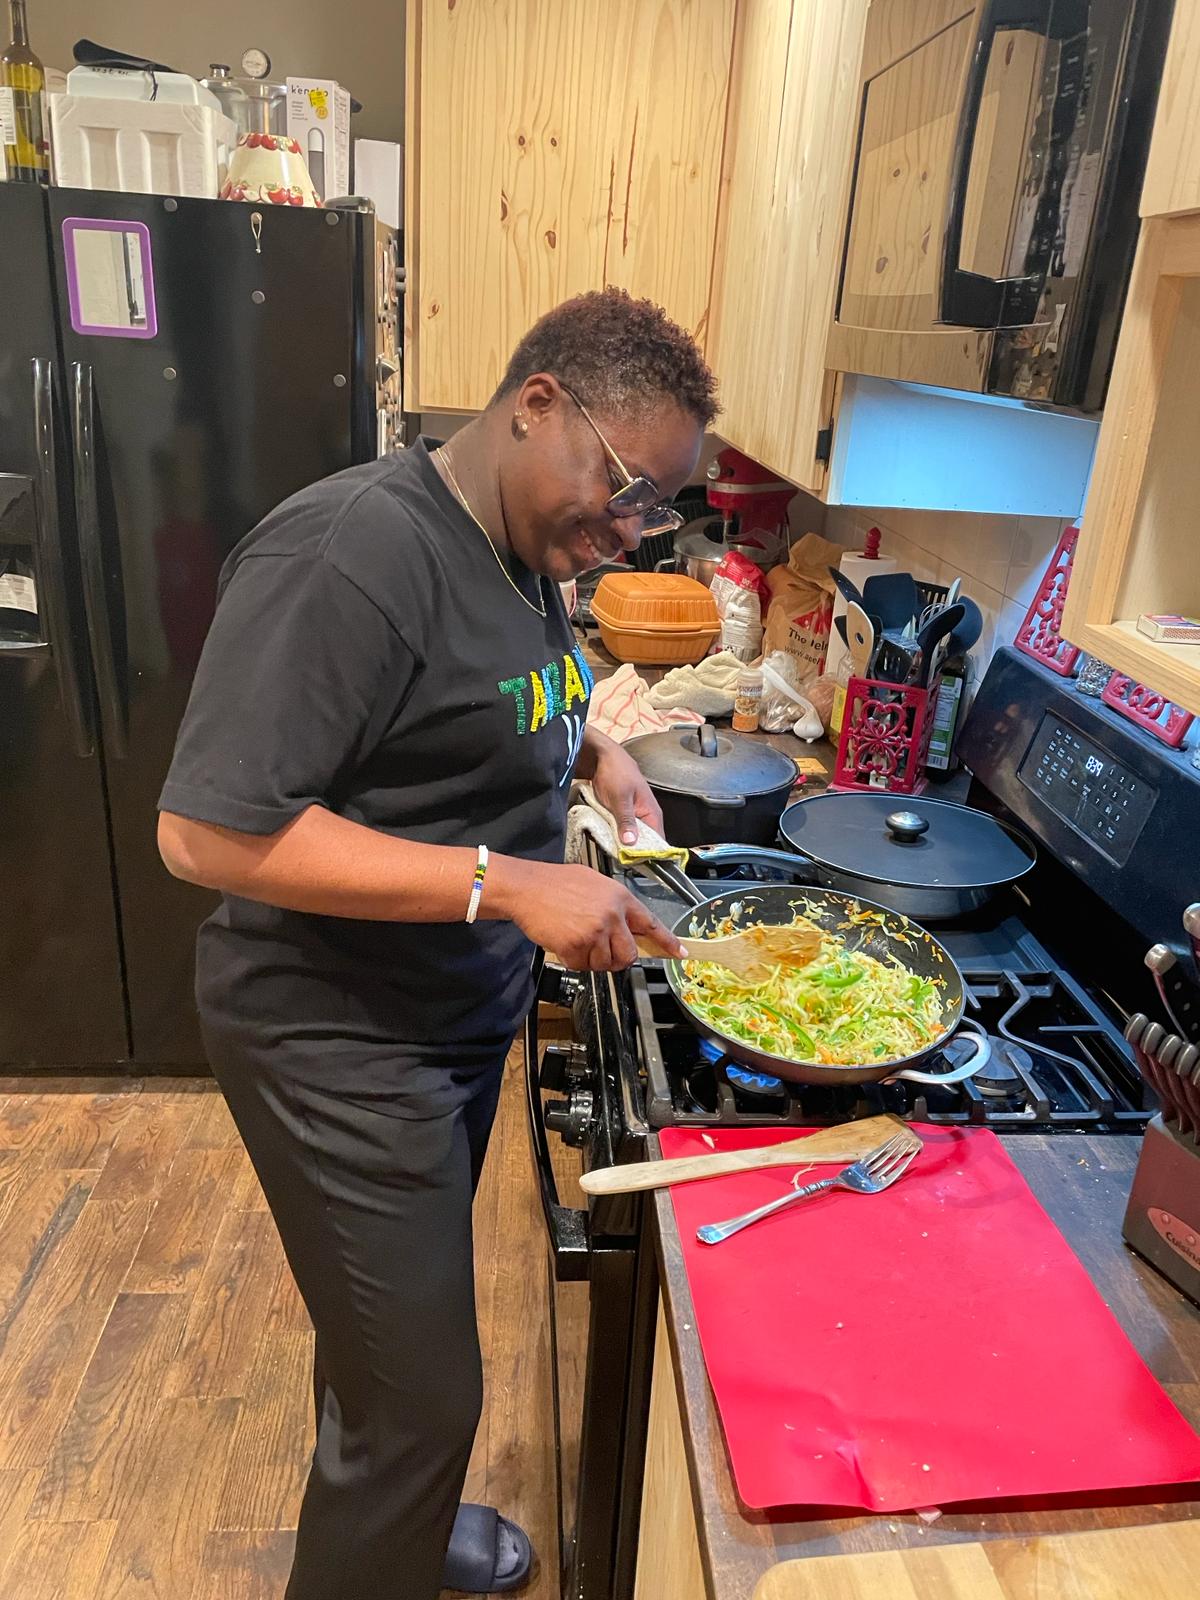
x=708 y=740
x=906 y=827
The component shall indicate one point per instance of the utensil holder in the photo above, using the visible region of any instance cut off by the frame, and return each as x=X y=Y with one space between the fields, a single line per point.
x=886 y=728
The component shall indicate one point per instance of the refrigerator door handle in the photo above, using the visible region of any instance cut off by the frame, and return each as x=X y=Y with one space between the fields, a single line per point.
x=95 y=589
x=48 y=558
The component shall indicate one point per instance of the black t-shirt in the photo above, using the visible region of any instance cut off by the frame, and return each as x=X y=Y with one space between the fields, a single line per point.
x=370 y=654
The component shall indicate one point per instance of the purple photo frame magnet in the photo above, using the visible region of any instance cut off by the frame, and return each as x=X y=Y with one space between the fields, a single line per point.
x=73 y=225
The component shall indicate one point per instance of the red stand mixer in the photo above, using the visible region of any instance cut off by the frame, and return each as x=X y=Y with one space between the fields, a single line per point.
x=754 y=506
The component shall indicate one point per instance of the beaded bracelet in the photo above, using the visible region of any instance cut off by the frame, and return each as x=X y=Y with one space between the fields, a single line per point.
x=477 y=884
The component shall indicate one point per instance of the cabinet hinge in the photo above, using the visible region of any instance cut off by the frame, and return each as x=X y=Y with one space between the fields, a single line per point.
x=824 y=443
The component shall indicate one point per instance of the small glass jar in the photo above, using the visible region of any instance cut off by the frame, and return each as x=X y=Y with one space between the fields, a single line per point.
x=747 y=700
x=1093 y=676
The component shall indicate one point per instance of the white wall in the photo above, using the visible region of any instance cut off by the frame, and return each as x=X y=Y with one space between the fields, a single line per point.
x=358 y=42
x=1000 y=560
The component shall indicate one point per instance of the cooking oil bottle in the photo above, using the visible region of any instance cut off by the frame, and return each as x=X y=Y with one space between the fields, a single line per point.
x=23 y=105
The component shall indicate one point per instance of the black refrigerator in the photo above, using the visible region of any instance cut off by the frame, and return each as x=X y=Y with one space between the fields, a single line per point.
x=170 y=369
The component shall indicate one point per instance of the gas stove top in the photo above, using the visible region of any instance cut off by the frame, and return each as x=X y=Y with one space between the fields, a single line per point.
x=1056 y=1065
x=1058 y=1062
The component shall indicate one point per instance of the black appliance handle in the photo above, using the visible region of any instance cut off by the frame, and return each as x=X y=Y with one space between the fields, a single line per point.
x=49 y=565
x=971 y=299
x=95 y=590
x=567 y=1228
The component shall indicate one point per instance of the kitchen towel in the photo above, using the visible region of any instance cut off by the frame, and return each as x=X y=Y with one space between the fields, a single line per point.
x=620 y=707
x=593 y=820
x=707 y=689
x=937 y=1343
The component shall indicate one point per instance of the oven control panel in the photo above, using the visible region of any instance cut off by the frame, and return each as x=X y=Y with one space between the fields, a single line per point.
x=1081 y=783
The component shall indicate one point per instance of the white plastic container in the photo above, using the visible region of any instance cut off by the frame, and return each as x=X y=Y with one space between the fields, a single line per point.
x=133 y=83
x=139 y=146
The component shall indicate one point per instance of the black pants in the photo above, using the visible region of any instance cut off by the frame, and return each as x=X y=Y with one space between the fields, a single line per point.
x=370 y=1177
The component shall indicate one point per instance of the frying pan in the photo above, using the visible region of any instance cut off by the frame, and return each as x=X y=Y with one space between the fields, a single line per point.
x=779 y=903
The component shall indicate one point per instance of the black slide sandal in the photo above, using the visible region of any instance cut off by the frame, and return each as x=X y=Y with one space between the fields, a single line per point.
x=487 y=1554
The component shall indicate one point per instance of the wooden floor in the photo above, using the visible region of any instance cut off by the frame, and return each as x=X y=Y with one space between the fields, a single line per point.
x=154 y=1355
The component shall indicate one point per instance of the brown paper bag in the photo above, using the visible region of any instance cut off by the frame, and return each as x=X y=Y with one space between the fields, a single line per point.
x=800 y=614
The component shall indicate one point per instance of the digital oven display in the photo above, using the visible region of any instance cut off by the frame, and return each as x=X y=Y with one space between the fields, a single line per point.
x=1081 y=783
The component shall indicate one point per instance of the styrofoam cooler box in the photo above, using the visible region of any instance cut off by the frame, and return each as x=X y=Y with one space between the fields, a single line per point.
x=139 y=146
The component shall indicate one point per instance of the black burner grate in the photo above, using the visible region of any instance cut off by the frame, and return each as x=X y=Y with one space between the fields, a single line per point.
x=1056 y=1066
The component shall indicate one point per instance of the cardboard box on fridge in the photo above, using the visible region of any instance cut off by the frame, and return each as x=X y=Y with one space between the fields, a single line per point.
x=318 y=118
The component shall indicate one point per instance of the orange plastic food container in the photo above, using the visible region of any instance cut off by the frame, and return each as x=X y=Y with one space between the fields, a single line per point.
x=655 y=619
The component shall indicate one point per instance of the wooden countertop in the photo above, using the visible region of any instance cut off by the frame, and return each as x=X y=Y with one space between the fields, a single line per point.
x=1154 y=1563
x=603 y=666
x=1083 y=1183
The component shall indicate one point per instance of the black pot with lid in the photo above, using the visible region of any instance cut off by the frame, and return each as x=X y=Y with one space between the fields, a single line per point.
x=933 y=860
x=715 y=787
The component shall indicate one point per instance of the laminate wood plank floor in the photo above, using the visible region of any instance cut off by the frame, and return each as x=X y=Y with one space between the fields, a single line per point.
x=155 y=1393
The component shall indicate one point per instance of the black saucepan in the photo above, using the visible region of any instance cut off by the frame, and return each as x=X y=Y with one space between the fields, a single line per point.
x=893 y=937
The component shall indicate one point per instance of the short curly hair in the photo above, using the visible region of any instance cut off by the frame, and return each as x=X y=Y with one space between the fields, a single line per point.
x=617 y=354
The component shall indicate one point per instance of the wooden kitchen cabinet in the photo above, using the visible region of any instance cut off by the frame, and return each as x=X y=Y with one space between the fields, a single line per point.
x=669 y=1565
x=1138 y=548
x=1172 y=184
x=793 y=111
x=554 y=146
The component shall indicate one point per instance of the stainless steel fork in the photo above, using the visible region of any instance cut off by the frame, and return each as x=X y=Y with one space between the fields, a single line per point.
x=872 y=1175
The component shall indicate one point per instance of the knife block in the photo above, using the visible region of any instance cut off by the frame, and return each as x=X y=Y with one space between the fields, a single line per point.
x=884 y=743
x=1162 y=1220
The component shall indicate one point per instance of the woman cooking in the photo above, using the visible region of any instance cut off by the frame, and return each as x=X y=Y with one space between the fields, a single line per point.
x=373 y=770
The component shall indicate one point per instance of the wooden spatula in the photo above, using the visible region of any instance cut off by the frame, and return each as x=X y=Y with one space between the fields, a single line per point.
x=849 y=1142
x=754 y=952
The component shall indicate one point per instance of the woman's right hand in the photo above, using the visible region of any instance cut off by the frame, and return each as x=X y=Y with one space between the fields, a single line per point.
x=588 y=921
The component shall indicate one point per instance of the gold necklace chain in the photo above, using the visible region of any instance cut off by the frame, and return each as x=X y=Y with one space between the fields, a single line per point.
x=500 y=562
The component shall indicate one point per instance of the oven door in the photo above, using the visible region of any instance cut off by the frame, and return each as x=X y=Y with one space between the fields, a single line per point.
x=602 y=1293
x=947 y=192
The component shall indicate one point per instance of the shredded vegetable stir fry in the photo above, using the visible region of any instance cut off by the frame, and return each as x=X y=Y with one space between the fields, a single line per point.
x=844 y=1008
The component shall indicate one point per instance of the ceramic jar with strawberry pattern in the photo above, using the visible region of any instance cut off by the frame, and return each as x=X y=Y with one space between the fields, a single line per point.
x=269 y=169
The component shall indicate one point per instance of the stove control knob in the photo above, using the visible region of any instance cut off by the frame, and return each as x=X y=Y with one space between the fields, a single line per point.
x=564 y=1066
x=561 y=988
x=571 y=1118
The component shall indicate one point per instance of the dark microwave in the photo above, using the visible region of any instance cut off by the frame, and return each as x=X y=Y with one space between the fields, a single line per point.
x=994 y=204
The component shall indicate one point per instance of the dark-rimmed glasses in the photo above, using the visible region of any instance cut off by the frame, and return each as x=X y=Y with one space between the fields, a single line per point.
x=633 y=495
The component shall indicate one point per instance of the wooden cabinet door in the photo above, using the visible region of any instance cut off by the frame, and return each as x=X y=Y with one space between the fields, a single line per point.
x=792 y=120
x=1172 y=181
x=554 y=146
x=1137 y=547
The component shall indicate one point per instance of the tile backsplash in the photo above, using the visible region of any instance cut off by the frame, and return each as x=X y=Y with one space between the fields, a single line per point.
x=1000 y=560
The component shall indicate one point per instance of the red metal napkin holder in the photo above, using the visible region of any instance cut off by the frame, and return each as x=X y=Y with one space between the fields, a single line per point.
x=1148 y=709
x=884 y=743
x=1039 y=636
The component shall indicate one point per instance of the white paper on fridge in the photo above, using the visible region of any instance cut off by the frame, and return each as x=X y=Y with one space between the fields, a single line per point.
x=379 y=175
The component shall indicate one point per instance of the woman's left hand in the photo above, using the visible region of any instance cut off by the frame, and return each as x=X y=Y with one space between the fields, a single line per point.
x=620 y=787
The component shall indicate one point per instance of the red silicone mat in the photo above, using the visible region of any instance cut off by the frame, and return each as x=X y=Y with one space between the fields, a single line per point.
x=936 y=1343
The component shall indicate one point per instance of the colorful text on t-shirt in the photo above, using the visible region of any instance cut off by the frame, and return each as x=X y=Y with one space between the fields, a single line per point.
x=551 y=691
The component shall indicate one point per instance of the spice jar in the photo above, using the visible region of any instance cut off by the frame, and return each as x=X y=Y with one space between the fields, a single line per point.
x=747 y=698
